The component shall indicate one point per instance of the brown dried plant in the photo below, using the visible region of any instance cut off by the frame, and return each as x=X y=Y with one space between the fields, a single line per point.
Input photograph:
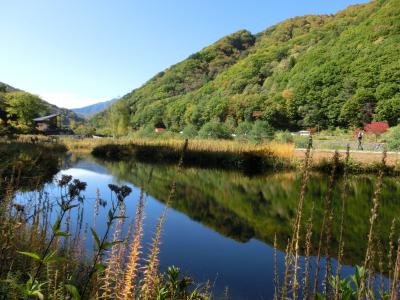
x=133 y=263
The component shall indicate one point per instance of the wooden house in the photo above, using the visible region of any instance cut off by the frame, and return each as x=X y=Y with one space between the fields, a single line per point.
x=160 y=127
x=257 y=115
x=47 y=124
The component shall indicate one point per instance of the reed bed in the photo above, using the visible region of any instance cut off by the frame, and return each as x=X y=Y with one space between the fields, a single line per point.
x=372 y=280
x=229 y=154
x=86 y=145
x=278 y=149
x=44 y=258
x=204 y=154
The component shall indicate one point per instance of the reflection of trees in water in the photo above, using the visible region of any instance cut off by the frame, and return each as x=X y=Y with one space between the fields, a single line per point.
x=243 y=208
x=28 y=166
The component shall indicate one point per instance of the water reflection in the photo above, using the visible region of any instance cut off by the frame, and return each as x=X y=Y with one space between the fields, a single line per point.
x=245 y=208
x=28 y=166
x=222 y=224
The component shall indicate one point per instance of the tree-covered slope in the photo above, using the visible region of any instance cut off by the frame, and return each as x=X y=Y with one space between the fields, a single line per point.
x=30 y=106
x=326 y=71
x=147 y=103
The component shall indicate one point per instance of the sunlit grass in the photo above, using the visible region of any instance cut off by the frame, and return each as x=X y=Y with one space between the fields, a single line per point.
x=284 y=150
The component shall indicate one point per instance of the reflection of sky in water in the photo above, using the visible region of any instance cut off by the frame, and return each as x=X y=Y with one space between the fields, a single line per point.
x=246 y=268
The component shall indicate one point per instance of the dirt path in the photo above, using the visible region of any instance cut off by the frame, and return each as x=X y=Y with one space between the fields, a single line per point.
x=360 y=156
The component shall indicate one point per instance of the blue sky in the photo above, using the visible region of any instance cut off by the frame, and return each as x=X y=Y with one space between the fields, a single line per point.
x=74 y=53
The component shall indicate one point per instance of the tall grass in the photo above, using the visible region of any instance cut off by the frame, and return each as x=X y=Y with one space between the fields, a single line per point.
x=44 y=259
x=284 y=150
x=363 y=284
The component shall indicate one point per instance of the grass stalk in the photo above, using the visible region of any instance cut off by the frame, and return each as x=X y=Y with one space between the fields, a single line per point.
x=297 y=224
x=373 y=218
x=132 y=266
x=396 y=275
x=343 y=197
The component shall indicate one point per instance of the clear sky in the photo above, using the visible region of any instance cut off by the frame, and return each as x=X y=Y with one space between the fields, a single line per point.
x=77 y=52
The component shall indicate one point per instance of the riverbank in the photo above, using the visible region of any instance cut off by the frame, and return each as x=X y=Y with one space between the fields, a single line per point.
x=228 y=154
x=248 y=158
x=251 y=159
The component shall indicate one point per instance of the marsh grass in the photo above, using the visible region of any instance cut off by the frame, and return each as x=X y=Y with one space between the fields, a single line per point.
x=204 y=154
x=373 y=280
x=227 y=154
x=280 y=149
x=42 y=258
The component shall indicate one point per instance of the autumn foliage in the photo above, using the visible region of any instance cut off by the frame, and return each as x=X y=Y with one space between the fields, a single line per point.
x=376 y=128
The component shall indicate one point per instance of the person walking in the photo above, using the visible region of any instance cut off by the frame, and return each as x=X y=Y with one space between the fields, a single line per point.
x=360 y=136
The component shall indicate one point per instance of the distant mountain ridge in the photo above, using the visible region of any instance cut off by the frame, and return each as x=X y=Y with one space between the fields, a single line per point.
x=90 y=110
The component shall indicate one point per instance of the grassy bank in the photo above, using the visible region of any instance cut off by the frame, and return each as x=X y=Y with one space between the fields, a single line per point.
x=224 y=154
x=26 y=162
x=203 y=153
x=232 y=155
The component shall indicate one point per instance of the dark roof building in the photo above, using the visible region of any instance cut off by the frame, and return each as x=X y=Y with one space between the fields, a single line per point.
x=46 y=118
x=47 y=124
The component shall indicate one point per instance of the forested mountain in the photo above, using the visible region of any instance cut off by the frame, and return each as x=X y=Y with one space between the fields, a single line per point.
x=18 y=108
x=327 y=71
x=90 y=110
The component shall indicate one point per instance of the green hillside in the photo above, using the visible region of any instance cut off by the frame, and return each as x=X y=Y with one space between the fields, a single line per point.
x=18 y=108
x=326 y=71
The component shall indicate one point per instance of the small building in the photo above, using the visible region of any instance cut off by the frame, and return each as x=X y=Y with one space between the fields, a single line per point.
x=47 y=124
x=304 y=133
x=257 y=115
x=160 y=127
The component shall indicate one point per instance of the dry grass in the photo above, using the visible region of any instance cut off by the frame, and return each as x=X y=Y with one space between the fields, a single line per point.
x=363 y=157
x=331 y=285
x=133 y=264
x=112 y=274
x=84 y=145
x=278 y=149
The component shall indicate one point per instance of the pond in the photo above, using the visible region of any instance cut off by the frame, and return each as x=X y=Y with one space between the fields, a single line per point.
x=221 y=225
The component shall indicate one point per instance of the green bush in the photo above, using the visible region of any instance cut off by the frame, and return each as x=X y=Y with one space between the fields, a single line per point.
x=284 y=137
x=300 y=141
x=146 y=131
x=189 y=131
x=243 y=128
x=261 y=131
x=214 y=130
x=393 y=138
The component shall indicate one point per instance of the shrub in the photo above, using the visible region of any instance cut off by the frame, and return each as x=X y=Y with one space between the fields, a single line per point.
x=393 y=138
x=300 y=141
x=147 y=131
x=189 y=131
x=376 y=128
x=244 y=128
x=261 y=131
x=214 y=130
x=284 y=137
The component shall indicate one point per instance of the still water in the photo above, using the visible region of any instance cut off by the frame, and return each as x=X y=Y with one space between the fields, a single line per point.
x=221 y=225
